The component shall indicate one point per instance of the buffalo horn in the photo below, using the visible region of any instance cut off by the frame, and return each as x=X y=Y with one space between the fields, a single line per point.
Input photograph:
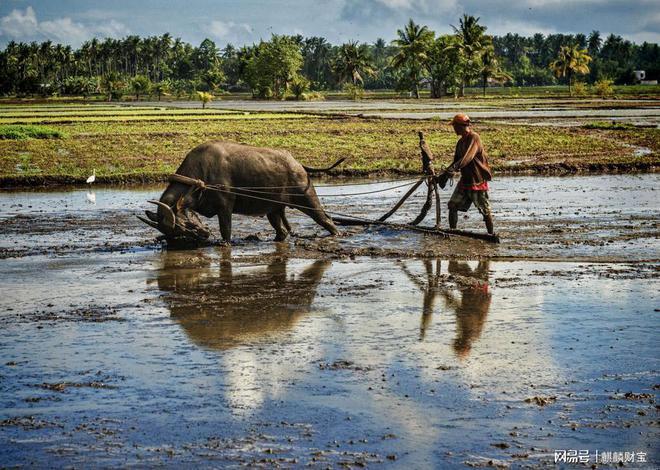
x=169 y=219
x=148 y=222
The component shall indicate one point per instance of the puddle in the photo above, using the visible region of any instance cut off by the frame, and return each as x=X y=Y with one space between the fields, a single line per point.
x=118 y=353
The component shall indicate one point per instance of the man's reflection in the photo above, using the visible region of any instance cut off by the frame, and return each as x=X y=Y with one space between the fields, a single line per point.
x=222 y=305
x=472 y=308
x=470 y=299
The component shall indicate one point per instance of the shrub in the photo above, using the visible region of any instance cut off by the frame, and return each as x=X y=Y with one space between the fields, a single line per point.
x=354 y=92
x=604 y=87
x=579 y=89
x=204 y=97
x=15 y=132
x=313 y=96
x=299 y=85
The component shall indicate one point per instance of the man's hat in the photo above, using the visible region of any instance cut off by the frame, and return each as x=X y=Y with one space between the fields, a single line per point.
x=461 y=120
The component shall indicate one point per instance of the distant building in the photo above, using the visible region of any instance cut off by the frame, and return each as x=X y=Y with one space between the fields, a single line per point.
x=639 y=75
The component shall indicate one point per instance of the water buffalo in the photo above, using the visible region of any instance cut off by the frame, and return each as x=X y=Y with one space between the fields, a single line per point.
x=245 y=180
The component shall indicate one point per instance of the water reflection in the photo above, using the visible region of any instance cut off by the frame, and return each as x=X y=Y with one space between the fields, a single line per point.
x=91 y=197
x=220 y=305
x=470 y=300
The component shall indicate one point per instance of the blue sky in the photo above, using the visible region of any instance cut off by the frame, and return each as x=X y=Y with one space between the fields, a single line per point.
x=246 y=21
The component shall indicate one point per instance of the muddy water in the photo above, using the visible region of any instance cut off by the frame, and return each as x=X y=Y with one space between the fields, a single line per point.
x=116 y=352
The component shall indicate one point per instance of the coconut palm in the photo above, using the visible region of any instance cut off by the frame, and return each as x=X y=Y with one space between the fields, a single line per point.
x=413 y=45
x=140 y=85
x=353 y=62
x=471 y=43
x=491 y=68
x=571 y=61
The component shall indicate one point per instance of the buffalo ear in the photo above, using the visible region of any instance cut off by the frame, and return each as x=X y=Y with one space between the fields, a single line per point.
x=180 y=204
x=185 y=201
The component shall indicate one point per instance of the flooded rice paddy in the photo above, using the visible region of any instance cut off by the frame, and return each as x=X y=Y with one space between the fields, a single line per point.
x=377 y=348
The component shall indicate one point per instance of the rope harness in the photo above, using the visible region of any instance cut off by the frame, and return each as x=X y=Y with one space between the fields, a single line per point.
x=200 y=185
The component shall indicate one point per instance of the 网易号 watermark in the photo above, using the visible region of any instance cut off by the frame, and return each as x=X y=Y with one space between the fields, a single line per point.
x=603 y=457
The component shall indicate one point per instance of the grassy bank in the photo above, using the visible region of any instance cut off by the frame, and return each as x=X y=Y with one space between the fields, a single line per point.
x=142 y=145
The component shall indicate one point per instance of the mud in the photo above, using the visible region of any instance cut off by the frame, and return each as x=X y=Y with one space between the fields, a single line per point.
x=377 y=348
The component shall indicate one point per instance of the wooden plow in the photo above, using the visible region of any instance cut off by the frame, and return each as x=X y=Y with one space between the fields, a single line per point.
x=432 y=195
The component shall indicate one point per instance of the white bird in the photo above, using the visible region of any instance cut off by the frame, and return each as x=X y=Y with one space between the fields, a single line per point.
x=92 y=178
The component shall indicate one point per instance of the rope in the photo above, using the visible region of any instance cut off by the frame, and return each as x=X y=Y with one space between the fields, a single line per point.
x=241 y=189
x=335 y=213
x=177 y=178
x=197 y=185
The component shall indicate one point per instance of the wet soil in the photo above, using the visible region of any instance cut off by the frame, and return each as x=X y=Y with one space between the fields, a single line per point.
x=376 y=348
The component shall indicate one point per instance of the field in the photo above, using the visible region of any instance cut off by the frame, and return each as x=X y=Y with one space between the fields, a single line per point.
x=377 y=347
x=127 y=144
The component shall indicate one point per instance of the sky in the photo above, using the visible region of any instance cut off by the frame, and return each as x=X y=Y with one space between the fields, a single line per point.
x=247 y=21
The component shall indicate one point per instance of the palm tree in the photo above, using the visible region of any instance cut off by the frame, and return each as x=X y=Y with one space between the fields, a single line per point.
x=594 y=43
x=571 y=61
x=414 y=43
x=140 y=85
x=352 y=62
x=471 y=43
x=491 y=67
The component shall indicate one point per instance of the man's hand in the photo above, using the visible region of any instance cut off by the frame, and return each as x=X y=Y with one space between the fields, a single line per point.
x=442 y=179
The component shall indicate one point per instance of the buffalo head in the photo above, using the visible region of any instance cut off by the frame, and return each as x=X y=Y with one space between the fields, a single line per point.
x=177 y=221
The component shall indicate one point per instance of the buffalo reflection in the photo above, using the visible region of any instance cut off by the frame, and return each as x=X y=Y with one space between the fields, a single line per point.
x=470 y=304
x=221 y=306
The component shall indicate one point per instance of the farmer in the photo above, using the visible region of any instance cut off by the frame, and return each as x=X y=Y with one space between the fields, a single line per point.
x=470 y=160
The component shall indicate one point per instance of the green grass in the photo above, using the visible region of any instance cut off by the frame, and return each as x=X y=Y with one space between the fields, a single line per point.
x=64 y=118
x=609 y=125
x=8 y=132
x=136 y=147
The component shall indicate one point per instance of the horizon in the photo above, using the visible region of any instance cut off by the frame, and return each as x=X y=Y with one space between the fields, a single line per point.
x=73 y=22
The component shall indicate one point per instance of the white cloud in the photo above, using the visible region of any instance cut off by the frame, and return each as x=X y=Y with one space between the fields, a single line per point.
x=229 y=29
x=113 y=29
x=18 y=24
x=24 y=26
x=64 y=30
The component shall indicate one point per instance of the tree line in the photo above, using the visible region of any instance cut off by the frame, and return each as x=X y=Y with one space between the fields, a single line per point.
x=299 y=66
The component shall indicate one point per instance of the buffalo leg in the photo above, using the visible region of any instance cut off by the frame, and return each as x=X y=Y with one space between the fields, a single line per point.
x=286 y=223
x=275 y=219
x=224 y=219
x=322 y=219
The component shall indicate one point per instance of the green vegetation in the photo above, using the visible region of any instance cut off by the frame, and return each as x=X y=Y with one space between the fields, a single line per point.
x=204 y=98
x=113 y=69
x=414 y=45
x=608 y=125
x=30 y=132
x=571 y=61
x=68 y=114
x=140 y=149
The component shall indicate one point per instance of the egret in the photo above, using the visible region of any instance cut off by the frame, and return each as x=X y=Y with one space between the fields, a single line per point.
x=92 y=178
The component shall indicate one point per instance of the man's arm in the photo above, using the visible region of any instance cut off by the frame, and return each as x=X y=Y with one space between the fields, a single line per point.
x=467 y=157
